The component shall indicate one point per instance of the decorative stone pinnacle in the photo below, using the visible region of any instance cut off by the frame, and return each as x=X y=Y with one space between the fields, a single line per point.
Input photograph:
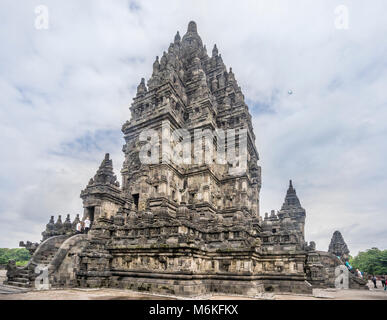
x=291 y=199
x=141 y=87
x=215 y=51
x=291 y=189
x=177 y=37
x=105 y=173
x=192 y=27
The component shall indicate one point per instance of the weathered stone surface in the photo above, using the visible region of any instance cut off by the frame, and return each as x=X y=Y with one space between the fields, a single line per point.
x=31 y=247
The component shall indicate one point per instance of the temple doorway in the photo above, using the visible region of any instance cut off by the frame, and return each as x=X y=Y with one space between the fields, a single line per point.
x=136 y=198
x=90 y=213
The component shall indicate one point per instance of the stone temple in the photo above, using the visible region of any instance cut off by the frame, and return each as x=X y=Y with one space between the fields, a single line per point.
x=177 y=228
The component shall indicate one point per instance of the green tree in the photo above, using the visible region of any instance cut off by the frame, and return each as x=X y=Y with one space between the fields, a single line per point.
x=372 y=261
x=21 y=256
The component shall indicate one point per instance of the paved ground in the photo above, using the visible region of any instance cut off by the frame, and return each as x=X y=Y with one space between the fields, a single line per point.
x=11 y=293
x=2 y=276
x=333 y=294
x=114 y=294
x=82 y=294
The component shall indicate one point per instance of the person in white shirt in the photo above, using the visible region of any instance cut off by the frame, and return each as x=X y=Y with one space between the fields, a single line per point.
x=79 y=227
x=87 y=224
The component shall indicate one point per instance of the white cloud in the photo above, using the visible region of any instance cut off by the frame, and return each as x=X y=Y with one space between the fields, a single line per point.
x=65 y=92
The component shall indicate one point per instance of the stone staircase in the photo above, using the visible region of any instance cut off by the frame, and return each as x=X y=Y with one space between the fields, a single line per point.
x=46 y=258
x=22 y=280
x=4 y=289
x=25 y=277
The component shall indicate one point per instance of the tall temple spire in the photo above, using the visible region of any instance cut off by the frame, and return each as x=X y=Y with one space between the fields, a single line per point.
x=195 y=90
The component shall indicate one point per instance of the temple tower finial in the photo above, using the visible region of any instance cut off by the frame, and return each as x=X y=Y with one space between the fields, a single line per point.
x=291 y=196
x=215 y=51
x=141 y=89
x=177 y=37
x=192 y=27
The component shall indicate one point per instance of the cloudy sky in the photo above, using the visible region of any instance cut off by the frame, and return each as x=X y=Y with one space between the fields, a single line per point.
x=65 y=93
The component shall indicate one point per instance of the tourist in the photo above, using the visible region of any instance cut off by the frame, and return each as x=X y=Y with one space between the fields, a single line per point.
x=79 y=228
x=87 y=224
x=374 y=281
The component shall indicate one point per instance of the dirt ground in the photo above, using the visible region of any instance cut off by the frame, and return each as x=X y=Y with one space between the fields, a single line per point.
x=116 y=294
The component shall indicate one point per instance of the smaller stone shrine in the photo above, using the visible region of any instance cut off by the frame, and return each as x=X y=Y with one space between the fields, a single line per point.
x=338 y=247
